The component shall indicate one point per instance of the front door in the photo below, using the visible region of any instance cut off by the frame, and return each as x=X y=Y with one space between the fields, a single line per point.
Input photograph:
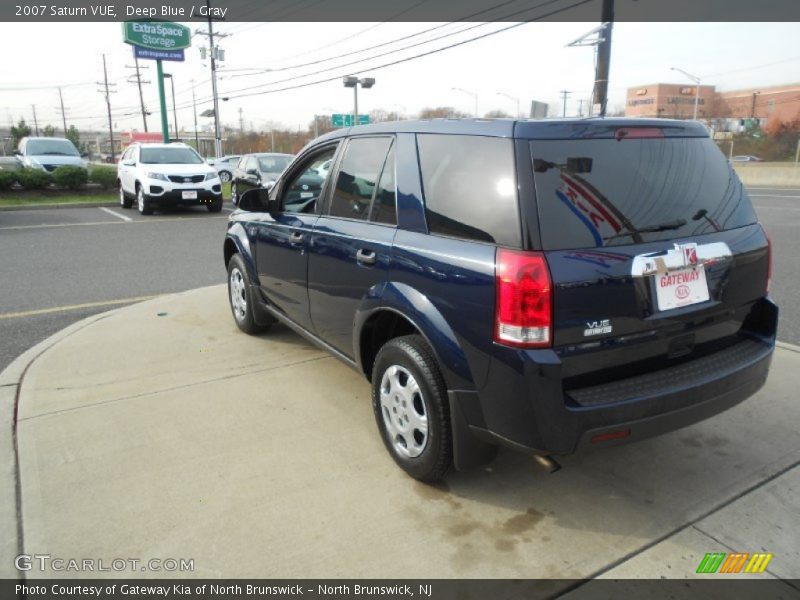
x=283 y=238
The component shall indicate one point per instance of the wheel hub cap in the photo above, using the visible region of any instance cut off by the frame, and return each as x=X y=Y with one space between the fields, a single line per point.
x=404 y=413
x=238 y=298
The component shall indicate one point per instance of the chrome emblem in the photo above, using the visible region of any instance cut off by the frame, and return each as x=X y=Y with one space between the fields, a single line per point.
x=187 y=180
x=304 y=186
x=597 y=327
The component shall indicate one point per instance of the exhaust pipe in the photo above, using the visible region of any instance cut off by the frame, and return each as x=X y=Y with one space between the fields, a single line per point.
x=548 y=463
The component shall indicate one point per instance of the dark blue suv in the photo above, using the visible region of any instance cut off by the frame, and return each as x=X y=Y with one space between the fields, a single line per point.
x=541 y=285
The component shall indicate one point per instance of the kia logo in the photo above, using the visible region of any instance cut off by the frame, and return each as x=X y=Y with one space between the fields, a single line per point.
x=682 y=292
x=187 y=180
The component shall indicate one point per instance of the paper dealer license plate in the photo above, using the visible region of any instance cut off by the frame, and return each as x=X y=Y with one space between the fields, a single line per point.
x=681 y=287
x=191 y=195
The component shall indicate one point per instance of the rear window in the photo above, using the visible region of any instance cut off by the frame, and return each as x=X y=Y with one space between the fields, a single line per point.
x=604 y=192
x=469 y=183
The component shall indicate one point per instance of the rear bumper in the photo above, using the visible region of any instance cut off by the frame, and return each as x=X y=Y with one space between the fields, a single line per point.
x=524 y=406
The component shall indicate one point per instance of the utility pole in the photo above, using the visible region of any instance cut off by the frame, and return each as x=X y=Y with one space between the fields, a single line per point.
x=194 y=105
x=63 y=114
x=604 y=58
x=108 y=93
x=139 y=83
x=241 y=121
x=214 y=54
x=35 y=122
x=564 y=94
x=580 y=107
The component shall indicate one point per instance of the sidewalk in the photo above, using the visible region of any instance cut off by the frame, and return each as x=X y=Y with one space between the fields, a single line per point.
x=160 y=431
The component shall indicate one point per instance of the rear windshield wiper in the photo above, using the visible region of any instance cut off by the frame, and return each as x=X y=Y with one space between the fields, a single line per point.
x=676 y=224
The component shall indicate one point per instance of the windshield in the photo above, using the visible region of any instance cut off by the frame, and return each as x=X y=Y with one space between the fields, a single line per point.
x=273 y=164
x=52 y=147
x=169 y=156
x=604 y=192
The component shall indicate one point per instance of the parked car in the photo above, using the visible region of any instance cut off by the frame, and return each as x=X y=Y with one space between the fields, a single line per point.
x=746 y=158
x=225 y=166
x=545 y=286
x=257 y=170
x=48 y=153
x=160 y=175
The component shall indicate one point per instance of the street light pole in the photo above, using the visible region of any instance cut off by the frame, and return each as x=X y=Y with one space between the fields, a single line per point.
x=468 y=93
x=696 y=80
x=515 y=99
x=194 y=108
x=354 y=82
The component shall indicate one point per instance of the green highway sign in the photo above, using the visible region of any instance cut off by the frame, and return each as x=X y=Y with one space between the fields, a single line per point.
x=157 y=35
x=339 y=120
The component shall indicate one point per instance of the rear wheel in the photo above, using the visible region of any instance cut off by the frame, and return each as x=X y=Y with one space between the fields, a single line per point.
x=143 y=202
x=234 y=197
x=409 y=399
x=239 y=298
x=224 y=176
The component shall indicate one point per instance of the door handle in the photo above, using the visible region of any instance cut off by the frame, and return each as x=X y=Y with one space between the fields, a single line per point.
x=366 y=257
x=296 y=238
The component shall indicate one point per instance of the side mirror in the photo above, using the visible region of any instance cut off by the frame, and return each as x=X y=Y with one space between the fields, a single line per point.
x=251 y=172
x=17 y=153
x=84 y=155
x=257 y=200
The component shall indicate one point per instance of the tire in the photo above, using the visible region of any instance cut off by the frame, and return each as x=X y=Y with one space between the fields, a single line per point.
x=143 y=202
x=409 y=400
x=224 y=176
x=234 y=197
x=124 y=200
x=238 y=298
x=215 y=206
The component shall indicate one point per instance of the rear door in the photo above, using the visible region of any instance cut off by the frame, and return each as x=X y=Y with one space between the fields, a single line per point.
x=652 y=242
x=283 y=242
x=351 y=244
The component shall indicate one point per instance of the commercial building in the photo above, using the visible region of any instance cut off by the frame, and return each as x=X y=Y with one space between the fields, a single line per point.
x=677 y=101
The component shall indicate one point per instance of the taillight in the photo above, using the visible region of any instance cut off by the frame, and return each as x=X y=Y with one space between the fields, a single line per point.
x=523 y=312
x=769 y=257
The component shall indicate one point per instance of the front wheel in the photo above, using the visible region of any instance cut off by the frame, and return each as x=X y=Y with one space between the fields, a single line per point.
x=409 y=399
x=224 y=176
x=234 y=197
x=215 y=206
x=239 y=298
x=124 y=201
x=143 y=202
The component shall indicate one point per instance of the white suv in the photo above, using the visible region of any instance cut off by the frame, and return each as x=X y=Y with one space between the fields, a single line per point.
x=166 y=175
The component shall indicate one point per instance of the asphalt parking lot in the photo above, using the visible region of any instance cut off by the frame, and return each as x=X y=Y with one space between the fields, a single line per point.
x=61 y=265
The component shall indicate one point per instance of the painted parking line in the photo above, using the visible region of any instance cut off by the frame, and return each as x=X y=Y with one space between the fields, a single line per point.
x=770 y=196
x=69 y=307
x=114 y=213
x=92 y=223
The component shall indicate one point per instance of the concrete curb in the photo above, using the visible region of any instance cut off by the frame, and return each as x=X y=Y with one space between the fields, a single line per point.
x=10 y=509
x=46 y=206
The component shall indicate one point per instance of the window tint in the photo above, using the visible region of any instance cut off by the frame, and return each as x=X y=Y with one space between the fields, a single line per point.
x=383 y=209
x=469 y=183
x=604 y=192
x=358 y=174
x=301 y=192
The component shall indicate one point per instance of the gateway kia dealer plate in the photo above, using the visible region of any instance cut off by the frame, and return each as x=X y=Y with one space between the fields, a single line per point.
x=681 y=287
x=189 y=195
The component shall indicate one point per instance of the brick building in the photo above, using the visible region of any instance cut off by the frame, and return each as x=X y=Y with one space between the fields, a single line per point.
x=676 y=101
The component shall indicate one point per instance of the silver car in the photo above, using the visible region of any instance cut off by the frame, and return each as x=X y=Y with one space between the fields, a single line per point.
x=48 y=153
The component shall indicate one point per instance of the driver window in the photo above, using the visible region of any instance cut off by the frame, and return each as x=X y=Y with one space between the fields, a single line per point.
x=302 y=190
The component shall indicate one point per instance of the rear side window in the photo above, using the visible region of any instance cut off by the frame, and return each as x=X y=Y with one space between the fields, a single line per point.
x=358 y=175
x=384 y=207
x=470 y=189
x=605 y=192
